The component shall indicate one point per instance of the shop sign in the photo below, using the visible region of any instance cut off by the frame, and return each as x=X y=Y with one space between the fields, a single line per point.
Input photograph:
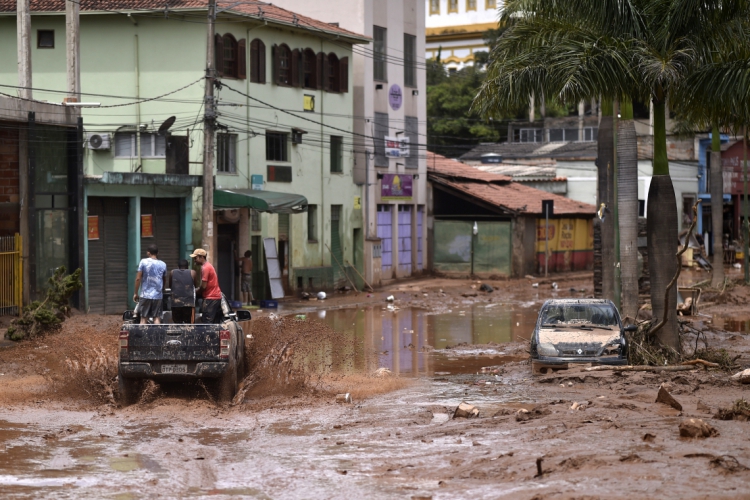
x=357 y=203
x=93 y=227
x=395 y=97
x=256 y=180
x=396 y=187
x=147 y=226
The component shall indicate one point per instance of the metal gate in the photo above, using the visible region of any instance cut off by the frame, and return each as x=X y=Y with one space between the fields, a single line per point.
x=385 y=233
x=166 y=229
x=404 y=239
x=11 y=276
x=337 y=253
x=420 y=221
x=458 y=249
x=108 y=255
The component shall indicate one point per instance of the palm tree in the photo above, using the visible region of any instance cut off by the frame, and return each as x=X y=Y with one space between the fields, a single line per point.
x=637 y=48
x=605 y=163
x=627 y=201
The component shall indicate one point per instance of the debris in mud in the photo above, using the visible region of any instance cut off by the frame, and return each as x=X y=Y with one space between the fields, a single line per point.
x=344 y=398
x=696 y=428
x=579 y=406
x=465 y=410
x=484 y=287
x=740 y=411
x=664 y=397
x=524 y=415
x=383 y=372
x=742 y=377
x=701 y=406
x=728 y=463
x=649 y=438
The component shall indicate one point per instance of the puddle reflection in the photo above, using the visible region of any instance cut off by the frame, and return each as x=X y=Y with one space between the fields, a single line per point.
x=400 y=339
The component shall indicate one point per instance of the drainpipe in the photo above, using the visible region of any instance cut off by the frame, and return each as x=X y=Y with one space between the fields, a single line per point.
x=321 y=240
x=247 y=116
x=137 y=106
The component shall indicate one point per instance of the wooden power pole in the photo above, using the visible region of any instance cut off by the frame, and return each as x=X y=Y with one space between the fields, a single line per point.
x=23 y=28
x=208 y=135
x=73 y=49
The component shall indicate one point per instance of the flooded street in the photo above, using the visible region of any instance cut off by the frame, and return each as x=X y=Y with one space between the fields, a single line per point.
x=593 y=434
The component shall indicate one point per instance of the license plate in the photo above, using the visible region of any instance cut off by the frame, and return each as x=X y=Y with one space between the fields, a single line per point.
x=174 y=368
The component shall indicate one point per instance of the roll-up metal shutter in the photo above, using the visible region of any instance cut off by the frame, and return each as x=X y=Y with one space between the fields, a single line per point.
x=166 y=223
x=108 y=256
x=283 y=227
x=337 y=259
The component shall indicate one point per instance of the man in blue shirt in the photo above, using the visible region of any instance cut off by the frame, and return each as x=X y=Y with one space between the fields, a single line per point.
x=150 y=280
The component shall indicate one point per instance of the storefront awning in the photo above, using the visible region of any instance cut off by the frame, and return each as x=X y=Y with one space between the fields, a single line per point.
x=262 y=201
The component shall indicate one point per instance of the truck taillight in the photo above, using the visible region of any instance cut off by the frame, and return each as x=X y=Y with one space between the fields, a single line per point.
x=224 y=336
x=124 y=337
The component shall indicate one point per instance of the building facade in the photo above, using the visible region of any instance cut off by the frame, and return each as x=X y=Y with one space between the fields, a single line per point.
x=284 y=105
x=455 y=29
x=389 y=85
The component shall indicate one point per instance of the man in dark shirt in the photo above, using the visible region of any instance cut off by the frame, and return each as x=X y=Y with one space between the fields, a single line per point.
x=182 y=281
x=211 y=312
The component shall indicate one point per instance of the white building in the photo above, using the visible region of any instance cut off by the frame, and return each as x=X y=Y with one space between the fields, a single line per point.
x=455 y=28
x=389 y=87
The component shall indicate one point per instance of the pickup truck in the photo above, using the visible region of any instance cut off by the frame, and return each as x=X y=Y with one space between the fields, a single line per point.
x=177 y=352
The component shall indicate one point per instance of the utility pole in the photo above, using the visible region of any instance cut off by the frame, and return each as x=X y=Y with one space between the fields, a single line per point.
x=23 y=23
x=208 y=135
x=73 y=49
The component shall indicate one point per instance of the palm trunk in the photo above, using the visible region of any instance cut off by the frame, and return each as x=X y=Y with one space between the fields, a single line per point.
x=605 y=188
x=627 y=204
x=662 y=233
x=717 y=209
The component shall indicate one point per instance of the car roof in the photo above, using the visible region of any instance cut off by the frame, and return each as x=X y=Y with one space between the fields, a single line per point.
x=578 y=301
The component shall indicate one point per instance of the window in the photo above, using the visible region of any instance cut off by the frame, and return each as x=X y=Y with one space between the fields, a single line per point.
x=590 y=134
x=410 y=60
x=490 y=4
x=276 y=173
x=528 y=135
x=226 y=153
x=333 y=73
x=471 y=5
x=152 y=145
x=337 y=147
x=254 y=220
x=282 y=64
x=257 y=61
x=452 y=6
x=309 y=69
x=379 y=53
x=312 y=223
x=380 y=130
x=411 y=127
x=276 y=146
x=434 y=7
x=230 y=56
x=45 y=39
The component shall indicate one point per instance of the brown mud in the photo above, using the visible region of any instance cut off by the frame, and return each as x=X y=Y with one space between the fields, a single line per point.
x=592 y=434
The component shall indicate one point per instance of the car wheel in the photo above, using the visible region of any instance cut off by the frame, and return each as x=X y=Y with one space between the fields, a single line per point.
x=128 y=389
x=227 y=386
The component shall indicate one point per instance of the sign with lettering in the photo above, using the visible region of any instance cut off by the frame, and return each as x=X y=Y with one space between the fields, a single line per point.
x=93 y=230
x=256 y=180
x=396 y=147
x=395 y=97
x=357 y=203
x=147 y=226
x=396 y=187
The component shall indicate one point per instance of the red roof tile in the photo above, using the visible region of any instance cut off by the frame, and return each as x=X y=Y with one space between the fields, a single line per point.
x=247 y=8
x=512 y=196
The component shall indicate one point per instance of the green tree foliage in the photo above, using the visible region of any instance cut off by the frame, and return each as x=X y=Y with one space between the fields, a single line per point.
x=47 y=316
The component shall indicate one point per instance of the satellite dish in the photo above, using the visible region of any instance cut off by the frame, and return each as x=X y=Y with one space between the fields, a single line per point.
x=167 y=123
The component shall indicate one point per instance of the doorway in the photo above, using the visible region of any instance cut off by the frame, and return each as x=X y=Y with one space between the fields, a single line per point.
x=226 y=262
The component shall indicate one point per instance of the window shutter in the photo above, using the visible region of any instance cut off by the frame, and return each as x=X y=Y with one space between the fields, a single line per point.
x=241 y=59
x=344 y=77
x=261 y=62
x=275 y=68
x=219 y=54
x=326 y=80
x=254 y=61
x=294 y=69
x=321 y=75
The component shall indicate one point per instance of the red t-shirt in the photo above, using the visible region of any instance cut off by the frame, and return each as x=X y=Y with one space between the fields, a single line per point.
x=208 y=274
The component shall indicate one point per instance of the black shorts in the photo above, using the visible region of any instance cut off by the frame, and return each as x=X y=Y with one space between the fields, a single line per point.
x=212 y=312
x=150 y=308
x=182 y=315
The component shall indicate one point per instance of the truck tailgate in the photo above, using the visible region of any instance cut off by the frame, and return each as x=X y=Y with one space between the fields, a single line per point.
x=170 y=342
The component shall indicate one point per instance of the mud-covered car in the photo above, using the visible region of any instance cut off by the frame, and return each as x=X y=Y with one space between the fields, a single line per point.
x=578 y=331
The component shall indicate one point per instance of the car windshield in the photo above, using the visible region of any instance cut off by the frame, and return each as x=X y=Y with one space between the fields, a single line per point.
x=579 y=314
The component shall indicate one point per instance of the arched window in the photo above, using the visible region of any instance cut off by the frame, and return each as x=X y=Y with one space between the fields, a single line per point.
x=333 y=73
x=230 y=55
x=257 y=61
x=282 y=64
x=310 y=70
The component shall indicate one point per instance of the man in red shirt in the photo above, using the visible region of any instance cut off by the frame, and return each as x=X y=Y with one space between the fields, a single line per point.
x=212 y=312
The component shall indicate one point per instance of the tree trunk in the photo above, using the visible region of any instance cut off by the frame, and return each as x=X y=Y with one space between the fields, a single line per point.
x=605 y=188
x=662 y=233
x=717 y=209
x=627 y=204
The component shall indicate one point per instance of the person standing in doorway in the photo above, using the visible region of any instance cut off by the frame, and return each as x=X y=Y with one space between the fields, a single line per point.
x=246 y=268
x=183 y=282
x=211 y=312
x=150 y=279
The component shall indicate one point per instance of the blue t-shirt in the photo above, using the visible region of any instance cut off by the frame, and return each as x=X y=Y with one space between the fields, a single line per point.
x=152 y=278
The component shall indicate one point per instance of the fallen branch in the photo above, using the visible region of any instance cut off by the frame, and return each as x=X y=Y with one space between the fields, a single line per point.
x=642 y=368
x=703 y=362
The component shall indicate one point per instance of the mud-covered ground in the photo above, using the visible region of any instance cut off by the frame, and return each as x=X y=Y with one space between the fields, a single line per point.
x=62 y=434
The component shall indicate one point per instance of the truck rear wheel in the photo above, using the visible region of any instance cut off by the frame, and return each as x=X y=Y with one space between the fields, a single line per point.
x=227 y=386
x=129 y=389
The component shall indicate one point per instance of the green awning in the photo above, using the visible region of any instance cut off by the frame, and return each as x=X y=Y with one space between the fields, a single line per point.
x=262 y=201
